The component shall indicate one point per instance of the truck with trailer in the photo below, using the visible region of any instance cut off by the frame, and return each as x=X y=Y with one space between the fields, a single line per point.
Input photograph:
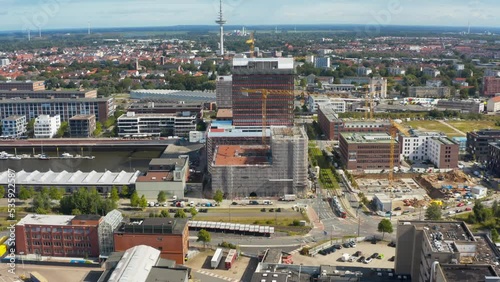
x=289 y=198
x=216 y=258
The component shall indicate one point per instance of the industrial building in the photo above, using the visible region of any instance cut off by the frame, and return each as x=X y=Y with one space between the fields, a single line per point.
x=444 y=251
x=142 y=264
x=168 y=235
x=493 y=160
x=174 y=95
x=442 y=151
x=275 y=170
x=46 y=126
x=167 y=175
x=332 y=125
x=132 y=124
x=102 y=108
x=263 y=73
x=367 y=151
x=58 y=235
x=14 y=126
x=429 y=92
x=224 y=92
x=478 y=143
x=82 y=126
x=463 y=106
x=72 y=181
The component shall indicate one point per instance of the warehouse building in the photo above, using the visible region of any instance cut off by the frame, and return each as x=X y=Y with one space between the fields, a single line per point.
x=275 y=170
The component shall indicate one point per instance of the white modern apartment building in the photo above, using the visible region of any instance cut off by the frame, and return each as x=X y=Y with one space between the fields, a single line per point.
x=132 y=124
x=46 y=126
x=416 y=147
x=14 y=126
x=337 y=104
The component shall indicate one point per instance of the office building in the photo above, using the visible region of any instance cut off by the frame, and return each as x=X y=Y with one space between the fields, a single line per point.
x=493 y=105
x=464 y=106
x=46 y=126
x=82 y=126
x=22 y=85
x=142 y=264
x=443 y=152
x=58 y=235
x=275 y=170
x=165 y=174
x=162 y=106
x=493 y=161
x=263 y=73
x=378 y=87
x=102 y=108
x=174 y=95
x=322 y=62
x=331 y=125
x=168 y=235
x=132 y=124
x=14 y=126
x=72 y=181
x=224 y=92
x=367 y=151
x=444 y=251
x=336 y=104
x=478 y=143
x=491 y=86
x=428 y=92
x=416 y=146
x=47 y=94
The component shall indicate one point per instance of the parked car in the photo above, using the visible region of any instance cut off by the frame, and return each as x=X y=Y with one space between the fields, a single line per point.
x=468 y=209
x=391 y=244
x=337 y=246
x=374 y=255
x=392 y=258
x=357 y=253
x=361 y=259
x=380 y=256
x=397 y=209
x=368 y=260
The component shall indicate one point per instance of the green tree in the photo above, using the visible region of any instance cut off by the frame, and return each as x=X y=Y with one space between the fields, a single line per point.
x=433 y=212
x=24 y=194
x=75 y=212
x=219 y=196
x=162 y=197
x=87 y=202
x=134 y=199
x=41 y=203
x=494 y=235
x=98 y=129
x=480 y=212
x=385 y=226
x=2 y=191
x=63 y=129
x=56 y=193
x=124 y=192
x=164 y=213
x=143 y=203
x=193 y=211
x=180 y=214
x=114 y=194
x=204 y=236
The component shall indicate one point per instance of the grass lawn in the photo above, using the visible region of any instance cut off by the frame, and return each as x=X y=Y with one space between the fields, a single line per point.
x=432 y=125
x=470 y=125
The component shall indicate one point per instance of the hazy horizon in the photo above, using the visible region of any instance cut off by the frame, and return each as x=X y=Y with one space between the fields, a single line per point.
x=67 y=14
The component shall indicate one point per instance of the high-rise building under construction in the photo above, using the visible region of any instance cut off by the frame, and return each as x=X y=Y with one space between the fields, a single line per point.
x=263 y=73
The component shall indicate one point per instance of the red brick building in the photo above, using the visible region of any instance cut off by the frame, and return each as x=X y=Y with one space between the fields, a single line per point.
x=58 y=235
x=491 y=85
x=367 y=151
x=169 y=236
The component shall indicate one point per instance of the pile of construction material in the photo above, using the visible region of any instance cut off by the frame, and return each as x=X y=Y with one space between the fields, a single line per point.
x=414 y=203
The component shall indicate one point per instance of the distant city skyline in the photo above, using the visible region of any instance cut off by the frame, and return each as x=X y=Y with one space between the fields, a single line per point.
x=60 y=14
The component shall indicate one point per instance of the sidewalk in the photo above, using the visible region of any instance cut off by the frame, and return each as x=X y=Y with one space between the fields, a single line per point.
x=314 y=218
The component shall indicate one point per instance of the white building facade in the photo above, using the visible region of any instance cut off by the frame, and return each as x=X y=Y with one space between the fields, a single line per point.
x=416 y=147
x=46 y=126
x=338 y=105
x=132 y=124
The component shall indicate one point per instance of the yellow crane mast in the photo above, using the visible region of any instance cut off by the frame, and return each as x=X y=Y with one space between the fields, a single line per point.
x=251 y=43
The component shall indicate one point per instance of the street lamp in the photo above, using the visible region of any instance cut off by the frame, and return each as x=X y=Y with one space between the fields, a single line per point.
x=359 y=219
x=300 y=270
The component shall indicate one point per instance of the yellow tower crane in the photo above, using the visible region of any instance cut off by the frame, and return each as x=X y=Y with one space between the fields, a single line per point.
x=395 y=128
x=251 y=43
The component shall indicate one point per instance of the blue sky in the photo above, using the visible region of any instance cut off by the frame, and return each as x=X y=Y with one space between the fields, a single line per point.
x=20 y=14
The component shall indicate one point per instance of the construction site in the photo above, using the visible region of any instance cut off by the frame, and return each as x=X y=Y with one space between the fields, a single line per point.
x=263 y=170
x=446 y=185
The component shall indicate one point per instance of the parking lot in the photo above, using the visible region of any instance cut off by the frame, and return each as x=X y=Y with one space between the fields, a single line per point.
x=366 y=248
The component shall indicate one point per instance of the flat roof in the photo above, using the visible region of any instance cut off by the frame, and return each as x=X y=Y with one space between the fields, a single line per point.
x=273 y=256
x=240 y=155
x=159 y=176
x=168 y=161
x=46 y=219
x=224 y=113
x=445 y=140
x=367 y=138
x=283 y=63
x=154 y=226
x=327 y=110
x=82 y=117
x=14 y=117
x=467 y=272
